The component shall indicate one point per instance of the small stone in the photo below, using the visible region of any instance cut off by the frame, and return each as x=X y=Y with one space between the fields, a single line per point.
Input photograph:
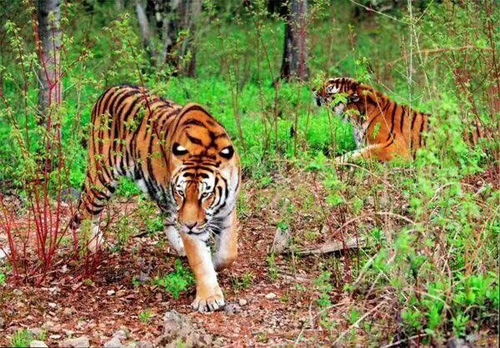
x=144 y=344
x=52 y=305
x=144 y=277
x=110 y=292
x=79 y=342
x=68 y=311
x=50 y=326
x=271 y=295
x=4 y=252
x=113 y=343
x=232 y=308
x=457 y=343
x=242 y=302
x=121 y=334
x=55 y=337
x=68 y=333
x=38 y=344
x=36 y=332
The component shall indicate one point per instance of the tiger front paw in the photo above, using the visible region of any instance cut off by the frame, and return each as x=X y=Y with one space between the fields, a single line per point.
x=210 y=302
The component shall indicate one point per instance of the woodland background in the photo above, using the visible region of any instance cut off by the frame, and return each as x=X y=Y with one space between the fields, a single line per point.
x=354 y=254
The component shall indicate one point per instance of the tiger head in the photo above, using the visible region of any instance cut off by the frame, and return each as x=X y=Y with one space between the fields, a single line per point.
x=205 y=170
x=339 y=93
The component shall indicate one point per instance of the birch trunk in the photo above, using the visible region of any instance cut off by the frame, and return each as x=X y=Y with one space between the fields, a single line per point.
x=49 y=50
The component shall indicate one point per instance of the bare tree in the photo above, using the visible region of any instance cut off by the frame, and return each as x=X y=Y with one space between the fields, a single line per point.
x=296 y=52
x=168 y=28
x=49 y=51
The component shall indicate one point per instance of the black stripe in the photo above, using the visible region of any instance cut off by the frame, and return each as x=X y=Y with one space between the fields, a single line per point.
x=392 y=141
x=402 y=119
x=193 y=122
x=392 y=121
x=414 y=117
x=421 y=131
x=194 y=140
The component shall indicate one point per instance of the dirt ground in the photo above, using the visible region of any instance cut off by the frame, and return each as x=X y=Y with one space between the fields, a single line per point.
x=267 y=303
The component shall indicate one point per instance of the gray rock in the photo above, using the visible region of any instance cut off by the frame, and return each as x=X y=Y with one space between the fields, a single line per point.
x=271 y=295
x=113 y=343
x=79 y=342
x=144 y=344
x=4 y=253
x=36 y=331
x=179 y=330
x=38 y=344
x=457 y=343
x=121 y=334
x=232 y=308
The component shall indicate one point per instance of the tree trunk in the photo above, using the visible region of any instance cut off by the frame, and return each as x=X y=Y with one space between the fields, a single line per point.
x=167 y=28
x=296 y=52
x=49 y=51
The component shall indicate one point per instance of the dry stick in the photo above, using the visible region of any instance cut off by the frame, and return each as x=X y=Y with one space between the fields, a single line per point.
x=397 y=343
x=384 y=213
x=332 y=246
x=357 y=322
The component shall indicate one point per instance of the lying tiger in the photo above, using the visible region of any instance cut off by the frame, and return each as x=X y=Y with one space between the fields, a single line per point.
x=383 y=129
x=184 y=160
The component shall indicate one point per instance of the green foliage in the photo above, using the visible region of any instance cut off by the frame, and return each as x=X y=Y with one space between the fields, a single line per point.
x=21 y=338
x=272 y=267
x=3 y=279
x=324 y=286
x=244 y=282
x=146 y=316
x=177 y=282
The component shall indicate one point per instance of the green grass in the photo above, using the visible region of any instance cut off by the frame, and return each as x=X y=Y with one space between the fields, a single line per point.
x=21 y=339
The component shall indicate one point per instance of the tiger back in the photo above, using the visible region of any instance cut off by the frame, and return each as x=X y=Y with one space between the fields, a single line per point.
x=184 y=160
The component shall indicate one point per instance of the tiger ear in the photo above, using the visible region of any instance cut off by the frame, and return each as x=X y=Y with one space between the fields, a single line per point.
x=355 y=97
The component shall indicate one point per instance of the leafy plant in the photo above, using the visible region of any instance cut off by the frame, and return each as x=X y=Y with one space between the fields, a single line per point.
x=177 y=282
x=146 y=316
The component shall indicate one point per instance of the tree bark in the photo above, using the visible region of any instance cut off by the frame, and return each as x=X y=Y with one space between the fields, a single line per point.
x=296 y=52
x=167 y=28
x=49 y=51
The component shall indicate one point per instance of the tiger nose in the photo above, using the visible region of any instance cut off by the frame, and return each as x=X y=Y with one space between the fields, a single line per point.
x=190 y=226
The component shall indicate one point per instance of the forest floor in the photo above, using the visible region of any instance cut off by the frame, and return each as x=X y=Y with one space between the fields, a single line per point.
x=269 y=301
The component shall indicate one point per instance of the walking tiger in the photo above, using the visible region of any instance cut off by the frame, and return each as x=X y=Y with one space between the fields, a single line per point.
x=184 y=160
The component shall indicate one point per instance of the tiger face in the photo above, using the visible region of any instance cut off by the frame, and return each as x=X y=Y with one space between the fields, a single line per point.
x=339 y=94
x=205 y=171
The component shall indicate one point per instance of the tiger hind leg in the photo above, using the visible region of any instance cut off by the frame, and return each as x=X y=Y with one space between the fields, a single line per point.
x=94 y=198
